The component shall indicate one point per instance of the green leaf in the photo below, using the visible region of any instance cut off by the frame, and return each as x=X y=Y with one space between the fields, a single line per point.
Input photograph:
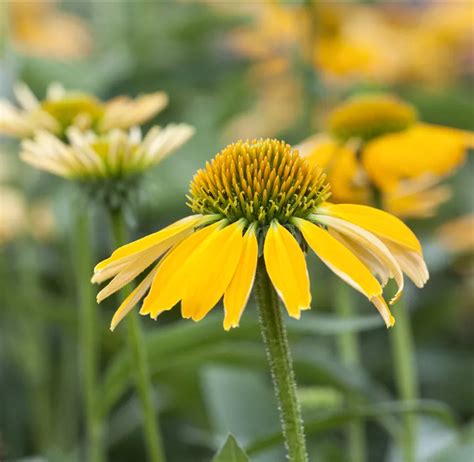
x=231 y=452
x=172 y=345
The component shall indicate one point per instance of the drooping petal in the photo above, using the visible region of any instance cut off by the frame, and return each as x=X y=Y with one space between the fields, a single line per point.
x=368 y=248
x=238 y=291
x=181 y=226
x=132 y=299
x=339 y=259
x=286 y=267
x=130 y=271
x=411 y=263
x=170 y=280
x=378 y=222
x=384 y=311
x=210 y=271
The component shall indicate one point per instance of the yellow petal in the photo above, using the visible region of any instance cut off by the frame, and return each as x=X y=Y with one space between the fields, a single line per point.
x=384 y=311
x=133 y=298
x=238 y=291
x=378 y=222
x=411 y=263
x=170 y=280
x=181 y=226
x=368 y=248
x=131 y=271
x=339 y=259
x=211 y=271
x=416 y=151
x=286 y=267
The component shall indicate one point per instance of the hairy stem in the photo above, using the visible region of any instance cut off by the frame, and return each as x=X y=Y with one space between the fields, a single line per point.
x=281 y=365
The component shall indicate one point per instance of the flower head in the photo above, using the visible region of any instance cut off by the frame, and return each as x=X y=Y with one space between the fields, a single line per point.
x=369 y=116
x=114 y=155
x=376 y=142
x=260 y=199
x=62 y=109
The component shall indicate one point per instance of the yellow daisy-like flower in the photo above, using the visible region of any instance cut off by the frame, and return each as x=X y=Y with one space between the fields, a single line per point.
x=116 y=154
x=62 y=109
x=261 y=199
x=376 y=141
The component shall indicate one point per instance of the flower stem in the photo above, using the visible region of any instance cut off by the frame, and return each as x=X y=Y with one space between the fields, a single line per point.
x=136 y=344
x=88 y=338
x=281 y=365
x=349 y=351
x=406 y=376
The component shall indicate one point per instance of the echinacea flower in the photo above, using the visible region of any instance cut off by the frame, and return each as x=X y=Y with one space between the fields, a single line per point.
x=62 y=109
x=260 y=199
x=115 y=155
x=40 y=28
x=375 y=141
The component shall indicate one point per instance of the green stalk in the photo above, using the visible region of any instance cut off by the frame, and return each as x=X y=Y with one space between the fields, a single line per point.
x=349 y=351
x=88 y=338
x=281 y=365
x=406 y=376
x=136 y=344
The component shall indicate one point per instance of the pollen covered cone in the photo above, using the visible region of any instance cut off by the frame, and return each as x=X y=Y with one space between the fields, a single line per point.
x=261 y=199
x=369 y=116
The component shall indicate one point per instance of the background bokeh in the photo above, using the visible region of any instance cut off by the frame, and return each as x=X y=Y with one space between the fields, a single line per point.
x=234 y=71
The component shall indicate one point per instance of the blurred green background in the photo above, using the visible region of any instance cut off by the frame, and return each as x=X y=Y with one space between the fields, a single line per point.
x=232 y=71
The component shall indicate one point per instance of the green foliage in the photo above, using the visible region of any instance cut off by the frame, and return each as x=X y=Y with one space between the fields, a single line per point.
x=230 y=452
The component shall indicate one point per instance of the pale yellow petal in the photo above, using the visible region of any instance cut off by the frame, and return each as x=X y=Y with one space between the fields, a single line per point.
x=384 y=311
x=132 y=299
x=211 y=269
x=238 y=291
x=286 y=267
x=368 y=248
x=411 y=263
x=170 y=280
x=378 y=222
x=180 y=226
x=339 y=258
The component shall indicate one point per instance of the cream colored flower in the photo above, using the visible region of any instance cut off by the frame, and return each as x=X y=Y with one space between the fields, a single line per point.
x=116 y=154
x=62 y=109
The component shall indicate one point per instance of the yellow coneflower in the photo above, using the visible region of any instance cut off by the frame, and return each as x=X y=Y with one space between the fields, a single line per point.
x=62 y=109
x=375 y=140
x=260 y=198
x=116 y=154
x=40 y=28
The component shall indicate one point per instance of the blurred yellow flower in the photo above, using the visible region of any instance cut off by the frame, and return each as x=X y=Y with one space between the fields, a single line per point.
x=375 y=141
x=62 y=109
x=457 y=235
x=116 y=154
x=39 y=28
x=349 y=42
x=260 y=199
